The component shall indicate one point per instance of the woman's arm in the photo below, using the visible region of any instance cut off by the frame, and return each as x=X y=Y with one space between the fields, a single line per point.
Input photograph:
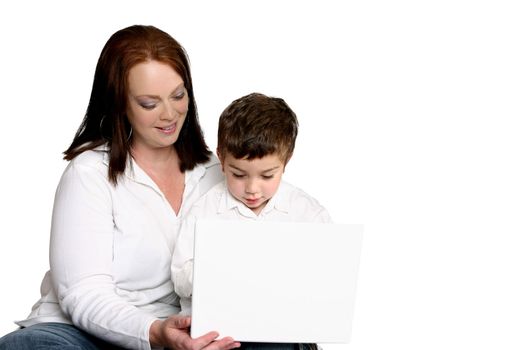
x=81 y=260
x=91 y=257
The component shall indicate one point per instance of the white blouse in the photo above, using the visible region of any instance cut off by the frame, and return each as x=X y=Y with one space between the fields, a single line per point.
x=111 y=249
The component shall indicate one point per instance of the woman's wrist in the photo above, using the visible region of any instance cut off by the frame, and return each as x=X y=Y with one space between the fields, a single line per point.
x=155 y=334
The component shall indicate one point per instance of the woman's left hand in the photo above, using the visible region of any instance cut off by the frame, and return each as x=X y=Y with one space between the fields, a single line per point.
x=174 y=334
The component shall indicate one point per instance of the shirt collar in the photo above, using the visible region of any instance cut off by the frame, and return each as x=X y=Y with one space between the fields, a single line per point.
x=134 y=172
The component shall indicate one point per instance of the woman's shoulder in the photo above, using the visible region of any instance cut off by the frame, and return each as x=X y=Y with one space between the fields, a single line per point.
x=92 y=157
x=213 y=166
x=95 y=160
x=213 y=163
x=212 y=174
x=88 y=170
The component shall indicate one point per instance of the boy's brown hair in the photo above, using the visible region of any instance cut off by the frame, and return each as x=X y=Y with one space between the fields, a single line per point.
x=255 y=126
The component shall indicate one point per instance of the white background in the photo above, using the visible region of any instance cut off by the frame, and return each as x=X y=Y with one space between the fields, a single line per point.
x=412 y=123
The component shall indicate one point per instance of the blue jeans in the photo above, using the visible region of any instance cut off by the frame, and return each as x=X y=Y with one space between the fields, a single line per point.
x=52 y=336
x=277 y=346
x=61 y=336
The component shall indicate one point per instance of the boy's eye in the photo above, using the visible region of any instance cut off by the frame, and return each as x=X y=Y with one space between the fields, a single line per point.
x=267 y=177
x=239 y=176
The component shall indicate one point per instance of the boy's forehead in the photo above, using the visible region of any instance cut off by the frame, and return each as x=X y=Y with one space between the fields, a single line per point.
x=268 y=161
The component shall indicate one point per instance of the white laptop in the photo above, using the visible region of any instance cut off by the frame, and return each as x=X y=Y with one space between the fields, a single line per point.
x=275 y=282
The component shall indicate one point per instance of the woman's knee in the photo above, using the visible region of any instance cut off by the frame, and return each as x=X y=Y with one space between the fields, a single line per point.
x=46 y=336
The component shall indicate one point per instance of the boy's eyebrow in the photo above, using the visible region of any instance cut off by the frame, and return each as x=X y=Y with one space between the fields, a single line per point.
x=234 y=167
x=271 y=169
x=264 y=171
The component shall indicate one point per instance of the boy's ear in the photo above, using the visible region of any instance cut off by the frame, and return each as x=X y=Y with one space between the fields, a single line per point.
x=286 y=162
x=221 y=159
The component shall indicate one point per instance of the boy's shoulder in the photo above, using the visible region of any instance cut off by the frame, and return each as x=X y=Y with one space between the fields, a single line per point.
x=209 y=201
x=292 y=192
x=300 y=205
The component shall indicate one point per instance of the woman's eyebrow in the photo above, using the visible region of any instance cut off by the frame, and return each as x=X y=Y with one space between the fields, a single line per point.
x=177 y=88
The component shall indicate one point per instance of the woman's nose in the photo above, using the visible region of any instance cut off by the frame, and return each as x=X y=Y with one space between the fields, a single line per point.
x=168 y=113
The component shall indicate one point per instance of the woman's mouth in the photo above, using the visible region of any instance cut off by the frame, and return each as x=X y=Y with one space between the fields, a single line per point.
x=168 y=129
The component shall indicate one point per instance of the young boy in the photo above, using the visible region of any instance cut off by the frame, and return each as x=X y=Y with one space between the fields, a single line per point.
x=256 y=140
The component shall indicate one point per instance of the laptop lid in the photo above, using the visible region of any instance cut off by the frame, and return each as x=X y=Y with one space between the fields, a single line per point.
x=275 y=282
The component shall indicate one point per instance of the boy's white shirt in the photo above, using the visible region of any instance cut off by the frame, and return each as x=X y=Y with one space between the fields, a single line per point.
x=289 y=204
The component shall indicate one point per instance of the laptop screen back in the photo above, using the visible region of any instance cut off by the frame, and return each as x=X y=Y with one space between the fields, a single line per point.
x=275 y=282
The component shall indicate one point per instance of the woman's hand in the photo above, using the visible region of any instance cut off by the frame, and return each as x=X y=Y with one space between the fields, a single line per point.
x=174 y=334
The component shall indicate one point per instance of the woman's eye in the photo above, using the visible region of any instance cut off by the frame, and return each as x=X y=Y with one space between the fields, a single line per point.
x=148 y=106
x=267 y=177
x=239 y=176
x=180 y=96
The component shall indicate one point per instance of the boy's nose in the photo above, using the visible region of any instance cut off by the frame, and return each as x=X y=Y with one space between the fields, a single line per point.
x=251 y=187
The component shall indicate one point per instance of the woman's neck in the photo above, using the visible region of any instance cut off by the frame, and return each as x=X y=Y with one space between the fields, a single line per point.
x=156 y=161
x=162 y=166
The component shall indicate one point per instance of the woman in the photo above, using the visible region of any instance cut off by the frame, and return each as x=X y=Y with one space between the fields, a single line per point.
x=137 y=163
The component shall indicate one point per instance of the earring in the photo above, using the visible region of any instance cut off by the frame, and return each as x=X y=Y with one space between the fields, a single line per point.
x=130 y=133
x=100 y=127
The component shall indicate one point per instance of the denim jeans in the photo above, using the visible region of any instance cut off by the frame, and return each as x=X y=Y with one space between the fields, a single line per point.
x=277 y=346
x=50 y=336
x=61 y=336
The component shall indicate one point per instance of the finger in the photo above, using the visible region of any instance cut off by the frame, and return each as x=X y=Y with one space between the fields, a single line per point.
x=205 y=339
x=180 y=321
x=226 y=343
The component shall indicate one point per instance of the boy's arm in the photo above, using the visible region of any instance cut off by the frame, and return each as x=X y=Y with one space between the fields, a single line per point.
x=182 y=259
x=183 y=280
